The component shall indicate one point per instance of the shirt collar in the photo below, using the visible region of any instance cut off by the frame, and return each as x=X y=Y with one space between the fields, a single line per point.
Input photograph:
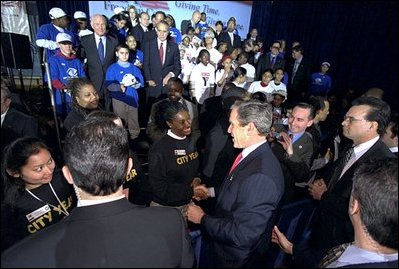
x=248 y=150
x=171 y=134
x=360 y=149
x=97 y=202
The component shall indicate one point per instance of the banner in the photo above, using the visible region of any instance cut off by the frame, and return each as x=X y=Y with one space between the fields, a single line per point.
x=182 y=10
x=14 y=18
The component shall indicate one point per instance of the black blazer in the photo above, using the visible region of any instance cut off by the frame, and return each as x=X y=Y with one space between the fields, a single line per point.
x=153 y=68
x=265 y=63
x=138 y=33
x=224 y=36
x=333 y=224
x=246 y=202
x=17 y=124
x=115 y=234
x=96 y=69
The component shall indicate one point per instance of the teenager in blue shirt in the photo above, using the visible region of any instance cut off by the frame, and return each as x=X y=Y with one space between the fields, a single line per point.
x=123 y=79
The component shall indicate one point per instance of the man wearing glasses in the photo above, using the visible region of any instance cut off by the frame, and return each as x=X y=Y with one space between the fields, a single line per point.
x=270 y=60
x=364 y=123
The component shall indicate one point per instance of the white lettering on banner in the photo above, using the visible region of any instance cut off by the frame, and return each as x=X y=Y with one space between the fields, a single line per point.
x=182 y=10
x=14 y=18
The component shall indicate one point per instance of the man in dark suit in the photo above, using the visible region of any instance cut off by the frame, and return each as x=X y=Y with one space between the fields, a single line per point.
x=152 y=28
x=157 y=70
x=364 y=123
x=238 y=232
x=97 y=64
x=294 y=149
x=270 y=60
x=14 y=124
x=105 y=230
x=195 y=18
x=233 y=41
x=299 y=75
x=141 y=28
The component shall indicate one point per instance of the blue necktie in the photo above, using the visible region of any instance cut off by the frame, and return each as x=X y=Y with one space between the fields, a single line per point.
x=101 y=50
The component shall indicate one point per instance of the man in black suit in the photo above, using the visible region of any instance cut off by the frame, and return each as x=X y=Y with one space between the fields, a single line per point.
x=237 y=234
x=195 y=18
x=157 y=70
x=299 y=75
x=270 y=60
x=141 y=28
x=97 y=64
x=364 y=123
x=14 y=124
x=152 y=28
x=233 y=41
x=105 y=230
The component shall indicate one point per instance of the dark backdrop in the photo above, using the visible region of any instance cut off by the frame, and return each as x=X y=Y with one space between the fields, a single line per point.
x=359 y=39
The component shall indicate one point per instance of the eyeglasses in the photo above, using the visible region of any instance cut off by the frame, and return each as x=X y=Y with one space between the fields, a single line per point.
x=274 y=47
x=352 y=119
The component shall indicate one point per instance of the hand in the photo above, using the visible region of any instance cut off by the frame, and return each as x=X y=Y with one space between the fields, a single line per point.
x=152 y=83
x=123 y=88
x=282 y=241
x=166 y=79
x=201 y=192
x=286 y=141
x=317 y=188
x=194 y=213
x=329 y=155
x=196 y=182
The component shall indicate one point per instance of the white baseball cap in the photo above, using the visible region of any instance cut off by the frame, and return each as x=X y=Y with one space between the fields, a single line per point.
x=56 y=13
x=63 y=37
x=129 y=80
x=79 y=15
x=326 y=63
x=118 y=10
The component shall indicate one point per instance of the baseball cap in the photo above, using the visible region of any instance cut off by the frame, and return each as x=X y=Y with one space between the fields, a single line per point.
x=209 y=34
x=79 y=15
x=128 y=80
x=118 y=10
x=63 y=37
x=280 y=92
x=326 y=63
x=56 y=13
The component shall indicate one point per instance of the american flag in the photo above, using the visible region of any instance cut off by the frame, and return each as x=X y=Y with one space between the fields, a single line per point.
x=155 y=4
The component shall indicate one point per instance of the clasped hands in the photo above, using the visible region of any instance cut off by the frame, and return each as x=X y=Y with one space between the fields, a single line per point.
x=201 y=192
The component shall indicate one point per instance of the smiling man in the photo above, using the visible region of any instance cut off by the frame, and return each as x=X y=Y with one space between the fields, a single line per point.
x=248 y=197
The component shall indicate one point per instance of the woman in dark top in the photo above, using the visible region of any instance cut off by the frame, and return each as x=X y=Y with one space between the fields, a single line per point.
x=35 y=195
x=84 y=100
x=173 y=160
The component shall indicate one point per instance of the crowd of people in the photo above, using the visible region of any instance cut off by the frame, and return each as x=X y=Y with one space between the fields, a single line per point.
x=234 y=132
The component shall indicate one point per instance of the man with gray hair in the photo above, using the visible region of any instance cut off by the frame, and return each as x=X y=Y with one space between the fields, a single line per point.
x=238 y=233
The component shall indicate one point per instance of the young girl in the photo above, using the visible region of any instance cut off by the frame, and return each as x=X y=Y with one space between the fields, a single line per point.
x=202 y=78
x=35 y=196
x=224 y=73
x=136 y=56
x=263 y=85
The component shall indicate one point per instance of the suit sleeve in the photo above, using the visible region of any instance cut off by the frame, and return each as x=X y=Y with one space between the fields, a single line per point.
x=253 y=207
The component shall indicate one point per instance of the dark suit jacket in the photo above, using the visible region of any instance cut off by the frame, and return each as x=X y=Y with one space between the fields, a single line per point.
x=184 y=26
x=138 y=33
x=95 y=69
x=114 y=235
x=17 y=124
x=301 y=80
x=296 y=168
x=245 y=204
x=154 y=70
x=333 y=226
x=265 y=63
x=224 y=36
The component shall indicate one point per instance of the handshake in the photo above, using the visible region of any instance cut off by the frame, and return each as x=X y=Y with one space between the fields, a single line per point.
x=201 y=192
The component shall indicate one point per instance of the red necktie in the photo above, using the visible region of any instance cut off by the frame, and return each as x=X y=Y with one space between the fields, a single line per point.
x=161 y=52
x=236 y=162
